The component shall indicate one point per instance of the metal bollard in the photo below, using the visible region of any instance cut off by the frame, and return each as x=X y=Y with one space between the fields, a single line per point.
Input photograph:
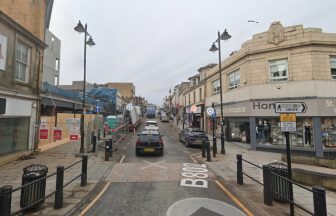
x=84 y=170
x=104 y=133
x=5 y=200
x=268 y=196
x=203 y=149
x=92 y=134
x=240 y=177
x=319 y=196
x=214 y=146
x=94 y=143
x=107 y=154
x=208 y=151
x=59 y=188
x=110 y=147
x=98 y=134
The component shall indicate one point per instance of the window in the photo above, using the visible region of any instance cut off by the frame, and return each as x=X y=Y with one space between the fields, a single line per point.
x=278 y=70
x=22 y=57
x=194 y=82
x=215 y=87
x=234 y=80
x=333 y=68
x=57 y=64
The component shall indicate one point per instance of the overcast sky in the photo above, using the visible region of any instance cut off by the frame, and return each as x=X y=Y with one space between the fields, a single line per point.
x=156 y=44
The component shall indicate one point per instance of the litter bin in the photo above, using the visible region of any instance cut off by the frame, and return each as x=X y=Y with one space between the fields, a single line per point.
x=280 y=186
x=31 y=194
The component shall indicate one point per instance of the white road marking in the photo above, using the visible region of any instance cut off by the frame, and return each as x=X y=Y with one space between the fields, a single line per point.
x=153 y=164
x=122 y=159
x=192 y=155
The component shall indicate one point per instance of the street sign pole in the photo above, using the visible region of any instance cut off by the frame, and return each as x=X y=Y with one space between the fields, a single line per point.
x=289 y=168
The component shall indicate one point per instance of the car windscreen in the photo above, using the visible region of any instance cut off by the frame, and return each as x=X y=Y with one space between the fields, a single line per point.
x=149 y=138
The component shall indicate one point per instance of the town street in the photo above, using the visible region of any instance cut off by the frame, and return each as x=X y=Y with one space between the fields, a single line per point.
x=156 y=185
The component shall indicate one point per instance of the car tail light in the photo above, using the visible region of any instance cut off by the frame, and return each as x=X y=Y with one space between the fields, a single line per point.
x=138 y=142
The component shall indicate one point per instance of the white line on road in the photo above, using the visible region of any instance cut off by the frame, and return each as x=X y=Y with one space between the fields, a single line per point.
x=122 y=159
x=153 y=164
x=192 y=155
x=193 y=159
x=95 y=199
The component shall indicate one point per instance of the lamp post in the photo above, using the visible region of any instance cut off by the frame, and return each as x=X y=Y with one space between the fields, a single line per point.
x=225 y=36
x=80 y=28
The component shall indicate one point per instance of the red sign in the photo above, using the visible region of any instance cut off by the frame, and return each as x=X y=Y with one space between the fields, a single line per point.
x=57 y=134
x=74 y=137
x=44 y=134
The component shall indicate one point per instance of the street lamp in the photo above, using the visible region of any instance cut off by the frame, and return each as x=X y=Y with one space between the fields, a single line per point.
x=225 y=36
x=80 y=28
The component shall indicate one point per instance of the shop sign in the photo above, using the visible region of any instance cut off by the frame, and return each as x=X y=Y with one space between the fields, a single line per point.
x=44 y=132
x=57 y=133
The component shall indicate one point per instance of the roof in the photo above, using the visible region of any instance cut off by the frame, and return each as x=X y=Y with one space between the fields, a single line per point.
x=209 y=66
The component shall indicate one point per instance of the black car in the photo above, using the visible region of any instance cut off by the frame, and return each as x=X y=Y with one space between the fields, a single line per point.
x=150 y=142
x=193 y=136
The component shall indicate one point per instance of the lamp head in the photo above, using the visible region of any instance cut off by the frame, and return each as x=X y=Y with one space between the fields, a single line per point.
x=90 y=42
x=79 y=28
x=213 y=48
x=225 y=35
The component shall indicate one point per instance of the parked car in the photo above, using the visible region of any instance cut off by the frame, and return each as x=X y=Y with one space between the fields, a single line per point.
x=164 y=117
x=193 y=136
x=150 y=142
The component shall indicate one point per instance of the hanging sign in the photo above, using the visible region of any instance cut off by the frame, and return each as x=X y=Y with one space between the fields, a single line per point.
x=57 y=133
x=43 y=133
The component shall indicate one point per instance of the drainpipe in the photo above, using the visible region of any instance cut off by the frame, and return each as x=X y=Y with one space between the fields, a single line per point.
x=39 y=58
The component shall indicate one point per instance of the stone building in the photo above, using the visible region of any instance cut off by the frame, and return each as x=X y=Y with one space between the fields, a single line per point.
x=292 y=65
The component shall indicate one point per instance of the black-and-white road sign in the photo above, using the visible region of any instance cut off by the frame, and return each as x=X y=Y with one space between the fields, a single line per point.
x=290 y=107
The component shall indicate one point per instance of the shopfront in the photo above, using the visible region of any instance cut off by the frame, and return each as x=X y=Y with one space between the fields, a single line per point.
x=257 y=123
x=16 y=126
x=195 y=117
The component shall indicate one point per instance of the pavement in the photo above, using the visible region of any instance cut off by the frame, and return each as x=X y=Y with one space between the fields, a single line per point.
x=223 y=165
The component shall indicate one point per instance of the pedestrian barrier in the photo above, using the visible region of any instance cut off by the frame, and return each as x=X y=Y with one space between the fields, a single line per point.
x=275 y=183
x=33 y=188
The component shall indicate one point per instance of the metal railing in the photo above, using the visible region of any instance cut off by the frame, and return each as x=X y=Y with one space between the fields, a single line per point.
x=319 y=193
x=7 y=190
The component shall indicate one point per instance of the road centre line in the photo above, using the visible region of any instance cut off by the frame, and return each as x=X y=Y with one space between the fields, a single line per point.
x=95 y=199
x=122 y=159
x=236 y=200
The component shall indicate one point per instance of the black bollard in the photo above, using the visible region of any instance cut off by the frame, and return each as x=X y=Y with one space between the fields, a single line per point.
x=5 y=200
x=110 y=147
x=59 y=188
x=107 y=154
x=208 y=151
x=214 y=146
x=203 y=148
x=94 y=143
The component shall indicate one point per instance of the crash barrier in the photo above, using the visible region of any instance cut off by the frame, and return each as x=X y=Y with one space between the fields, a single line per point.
x=276 y=186
x=116 y=135
x=33 y=187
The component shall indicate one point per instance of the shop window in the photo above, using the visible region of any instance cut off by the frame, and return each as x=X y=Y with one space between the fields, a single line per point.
x=333 y=68
x=269 y=133
x=329 y=132
x=215 y=87
x=234 y=80
x=22 y=63
x=278 y=70
x=13 y=135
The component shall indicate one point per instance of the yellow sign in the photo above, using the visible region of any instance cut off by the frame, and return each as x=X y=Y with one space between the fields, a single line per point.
x=288 y=117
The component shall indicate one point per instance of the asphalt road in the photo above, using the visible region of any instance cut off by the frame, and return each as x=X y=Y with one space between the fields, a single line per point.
x=172 y=184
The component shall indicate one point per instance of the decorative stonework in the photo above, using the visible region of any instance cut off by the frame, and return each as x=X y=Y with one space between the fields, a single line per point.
x=276 y=33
